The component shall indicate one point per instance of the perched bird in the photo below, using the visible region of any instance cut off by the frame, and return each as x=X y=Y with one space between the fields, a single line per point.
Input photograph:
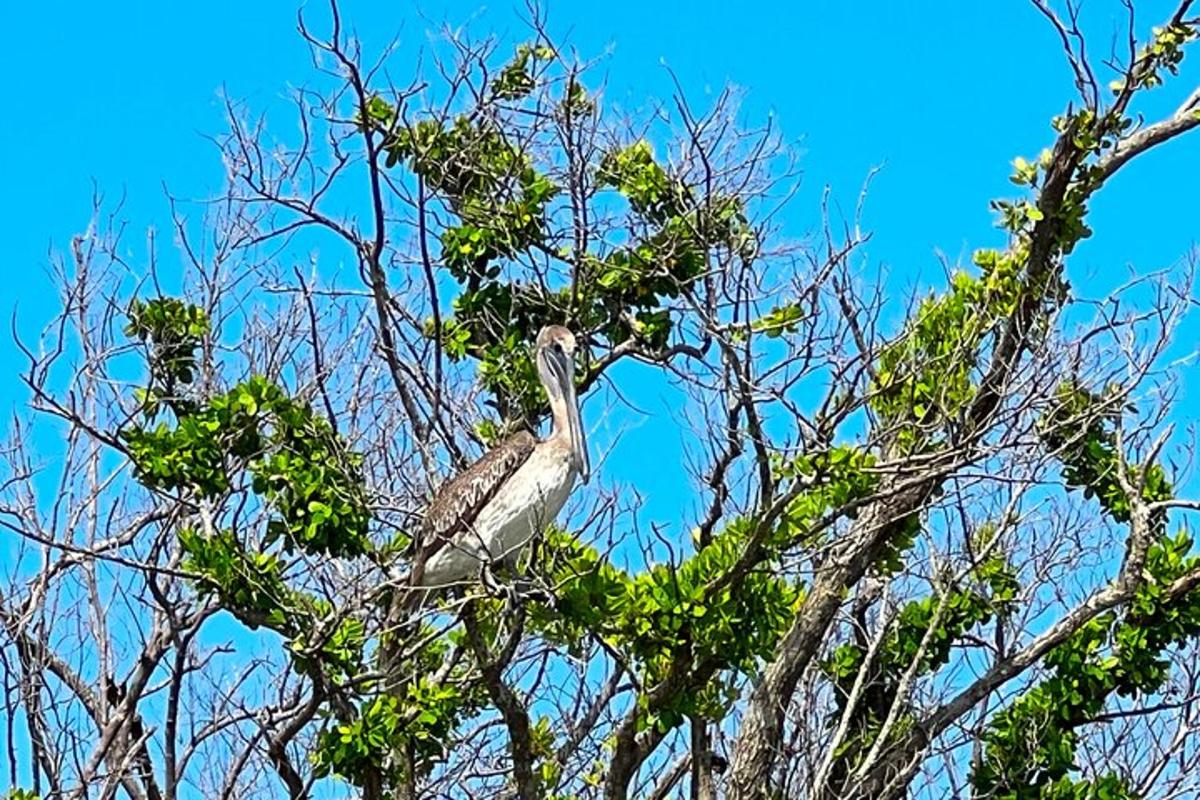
x=489 y=513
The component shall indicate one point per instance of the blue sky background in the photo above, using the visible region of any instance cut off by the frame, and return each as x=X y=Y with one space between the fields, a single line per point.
x=941 y=94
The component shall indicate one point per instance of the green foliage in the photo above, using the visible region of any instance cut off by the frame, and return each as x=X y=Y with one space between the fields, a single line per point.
x=1092 y=133
x=937 y=621
x=465 y=161
x=683 y=231
x=1165 y=51
x=22 y=794
x=343 y=651
x=1030 y=746
x=781 y=320
x=838 y=478
x=356 y=749
x=250 y=585
x=919 y=640
x=650 y=190
x=495 y=229
x=173 y=330
x=191 y=456
x=312 y=480
x=658 y=267
x=590 y=592
x=690 y=609
x=296 y=464
x=577 y=103
x=676 y=606
x=501 y=203
x=542 y=743
x=419 y=719
x=835 y=477
x=925 y=379
x=1106 y=787
x=670 y=609
x=1025 y=173
x=490 y=184
x=515 y=80
x=689 y=604
x=1085 y=440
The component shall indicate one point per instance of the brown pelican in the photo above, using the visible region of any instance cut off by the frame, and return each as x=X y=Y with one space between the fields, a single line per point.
x=492 y=510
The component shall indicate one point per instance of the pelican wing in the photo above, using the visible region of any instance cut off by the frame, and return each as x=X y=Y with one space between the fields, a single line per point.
x=458 y=502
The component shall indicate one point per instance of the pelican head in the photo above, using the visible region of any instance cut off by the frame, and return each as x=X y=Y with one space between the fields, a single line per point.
x=555 y=355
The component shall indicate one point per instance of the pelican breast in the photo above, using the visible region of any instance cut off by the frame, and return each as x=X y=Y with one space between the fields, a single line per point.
x=528 y=500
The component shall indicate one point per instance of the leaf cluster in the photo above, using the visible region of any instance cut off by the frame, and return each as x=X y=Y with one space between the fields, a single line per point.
x=1030 y=746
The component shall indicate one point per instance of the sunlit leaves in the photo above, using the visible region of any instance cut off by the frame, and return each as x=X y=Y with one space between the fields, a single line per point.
x=297 y=463
x=516 y=78
x=379 y=112
x=497 y=227
x=670 y=607
x=781 y=320
x=202 y=450
x=248 y=584
x=460 y=160
x=343 y=650
x=590 y=592
x=418 y=715
x=172 y=331
x=423 y=716
x=1080 y=429
x=253 y=436
x=650 y=191
x=835 y=478
x=1024 y=172
x=311 y=479
x=507 y=370
x=355 y=749
x=925 y=379
x=577 y=102
x=1165 y=50
x=1030 y=746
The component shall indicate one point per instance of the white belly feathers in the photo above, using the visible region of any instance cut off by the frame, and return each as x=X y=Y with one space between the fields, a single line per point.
x=525 y=504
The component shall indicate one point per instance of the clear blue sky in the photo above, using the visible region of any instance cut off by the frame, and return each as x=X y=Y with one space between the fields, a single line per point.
x=943 y=94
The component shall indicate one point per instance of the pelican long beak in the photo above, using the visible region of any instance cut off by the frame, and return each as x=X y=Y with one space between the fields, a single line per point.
x=565 y=373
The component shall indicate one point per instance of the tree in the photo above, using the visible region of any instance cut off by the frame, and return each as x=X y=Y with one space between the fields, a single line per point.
x=945 y=558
